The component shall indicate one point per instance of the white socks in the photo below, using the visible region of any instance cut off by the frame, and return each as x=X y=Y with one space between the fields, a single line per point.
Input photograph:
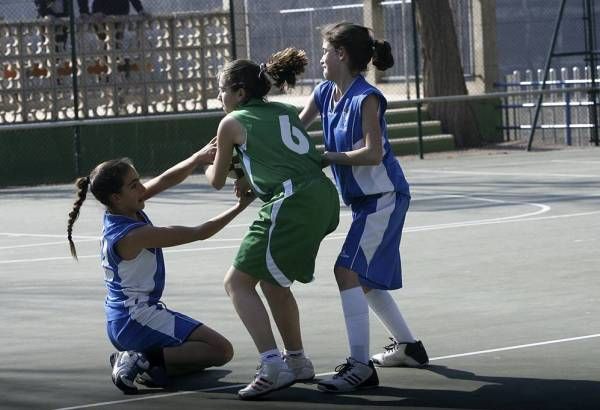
x=271 y=356
x=387 y=312
x=356 y=315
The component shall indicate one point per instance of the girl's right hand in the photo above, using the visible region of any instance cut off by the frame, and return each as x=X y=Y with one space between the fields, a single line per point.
x=206 y=154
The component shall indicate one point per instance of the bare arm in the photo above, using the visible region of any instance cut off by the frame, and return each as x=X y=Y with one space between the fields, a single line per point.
x=309 y=113
x=372 y=152
x=230 y=133
x=180 y=171
x=162 y=237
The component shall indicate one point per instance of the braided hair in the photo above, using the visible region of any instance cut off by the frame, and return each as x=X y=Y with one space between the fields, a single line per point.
x=104 y=180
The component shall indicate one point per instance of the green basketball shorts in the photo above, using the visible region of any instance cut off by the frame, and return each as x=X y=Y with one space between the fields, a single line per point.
x=282 y=243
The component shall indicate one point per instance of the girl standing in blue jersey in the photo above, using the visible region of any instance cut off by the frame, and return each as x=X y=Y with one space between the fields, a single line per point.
x=372 y=183
x=151 y=339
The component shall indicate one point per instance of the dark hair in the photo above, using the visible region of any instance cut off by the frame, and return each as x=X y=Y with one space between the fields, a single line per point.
x=360 y=45
x=281 y=70
x=106 y=179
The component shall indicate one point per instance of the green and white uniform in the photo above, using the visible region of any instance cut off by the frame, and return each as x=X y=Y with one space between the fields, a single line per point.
x=301 y=204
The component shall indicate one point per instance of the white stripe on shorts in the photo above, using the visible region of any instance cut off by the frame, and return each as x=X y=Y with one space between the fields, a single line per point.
x=376 y=224
x=271 y=265
x=154 y=317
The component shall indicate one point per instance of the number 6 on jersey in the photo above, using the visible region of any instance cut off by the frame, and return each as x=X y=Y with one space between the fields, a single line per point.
x=292 y=137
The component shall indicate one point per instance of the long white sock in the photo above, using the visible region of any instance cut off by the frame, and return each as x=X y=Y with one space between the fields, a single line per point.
x=356 y=315
x=386 y=310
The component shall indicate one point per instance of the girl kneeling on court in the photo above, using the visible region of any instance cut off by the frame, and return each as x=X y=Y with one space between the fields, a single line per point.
x=152 y=341
x=301 y=206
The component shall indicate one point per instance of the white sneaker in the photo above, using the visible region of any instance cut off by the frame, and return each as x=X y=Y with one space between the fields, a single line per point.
x=352 y=375
x=402 y=354
x=302 y=367
x=270 y=377
x=127 y=365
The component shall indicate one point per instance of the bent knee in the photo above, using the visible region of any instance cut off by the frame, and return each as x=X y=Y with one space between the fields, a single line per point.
x=226 y=353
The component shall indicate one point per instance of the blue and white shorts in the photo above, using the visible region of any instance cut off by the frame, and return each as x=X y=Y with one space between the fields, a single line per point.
x=372 y=246
x=150 y=327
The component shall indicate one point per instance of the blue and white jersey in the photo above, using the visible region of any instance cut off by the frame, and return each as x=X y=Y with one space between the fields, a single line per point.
x=342 y=131
x=129 y=282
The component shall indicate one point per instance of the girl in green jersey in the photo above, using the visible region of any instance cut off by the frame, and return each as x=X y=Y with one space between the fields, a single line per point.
x=282 y=167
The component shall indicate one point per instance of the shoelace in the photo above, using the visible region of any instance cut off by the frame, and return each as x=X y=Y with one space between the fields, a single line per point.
x=392 y=346
x=343 y=368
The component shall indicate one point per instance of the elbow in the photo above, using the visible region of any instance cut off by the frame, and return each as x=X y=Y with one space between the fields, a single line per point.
x=375 y=158
x=218 y=185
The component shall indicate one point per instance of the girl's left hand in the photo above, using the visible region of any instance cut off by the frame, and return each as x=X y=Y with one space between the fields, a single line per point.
x=241 y=187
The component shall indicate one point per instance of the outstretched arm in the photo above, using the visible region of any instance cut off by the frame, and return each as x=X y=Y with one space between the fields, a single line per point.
x=162 y=237
x=309 y=113
x=180 y=171
x=230 y=133
x=372 y=152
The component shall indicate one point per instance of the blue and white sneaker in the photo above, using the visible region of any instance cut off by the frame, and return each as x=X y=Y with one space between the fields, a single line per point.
x=126 y=367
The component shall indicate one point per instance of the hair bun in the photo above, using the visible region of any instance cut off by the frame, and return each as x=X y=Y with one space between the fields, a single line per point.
x=382 y=55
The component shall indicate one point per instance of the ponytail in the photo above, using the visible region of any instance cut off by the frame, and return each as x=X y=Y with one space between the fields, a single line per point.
x=281 y=71
x=382 y=55
x=285 y=65
x=360 y=45
x=82 y=188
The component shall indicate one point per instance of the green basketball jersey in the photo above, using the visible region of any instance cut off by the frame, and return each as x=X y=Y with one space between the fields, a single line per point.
x=277 y=147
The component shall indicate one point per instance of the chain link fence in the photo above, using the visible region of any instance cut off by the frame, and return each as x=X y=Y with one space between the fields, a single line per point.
x=165 y=60
x=524 y=32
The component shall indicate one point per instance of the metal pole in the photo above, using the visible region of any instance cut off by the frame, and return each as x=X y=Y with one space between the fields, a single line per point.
x=591 y=57
x=232 y=28
x=417 y=80
x=546 y=68
x=76 y=129
x=405 y=51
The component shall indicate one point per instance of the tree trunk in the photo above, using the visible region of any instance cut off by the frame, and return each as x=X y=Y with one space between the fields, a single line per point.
x=442 y=71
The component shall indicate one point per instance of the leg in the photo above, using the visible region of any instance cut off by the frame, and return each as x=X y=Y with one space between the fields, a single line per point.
x=386 y=310
x=356 y=313
x=203 y=348
x=358 y=371
x=241 y=288
x=273 y=374
x=285 y=312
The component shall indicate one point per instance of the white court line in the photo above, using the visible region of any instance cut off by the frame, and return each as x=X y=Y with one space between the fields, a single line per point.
x=63 y=242
x=572 y=161
x=42 y=235
x=88 y=238
x=235 y=386
x=515 y=174
x=330 y=237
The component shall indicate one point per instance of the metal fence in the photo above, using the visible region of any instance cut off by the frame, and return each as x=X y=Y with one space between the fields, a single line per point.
x=167 y=62
x=565 y=116
x=124 y=65
x=279 y=24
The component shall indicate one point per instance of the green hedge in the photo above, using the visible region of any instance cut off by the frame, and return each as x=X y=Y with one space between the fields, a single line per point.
x=46 y=156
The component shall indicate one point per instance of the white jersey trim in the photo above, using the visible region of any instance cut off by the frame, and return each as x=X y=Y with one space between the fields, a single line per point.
x=271 y=265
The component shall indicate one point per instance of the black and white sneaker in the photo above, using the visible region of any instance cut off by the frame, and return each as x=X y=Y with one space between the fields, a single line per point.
x=350 y=376
x=402 y=355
